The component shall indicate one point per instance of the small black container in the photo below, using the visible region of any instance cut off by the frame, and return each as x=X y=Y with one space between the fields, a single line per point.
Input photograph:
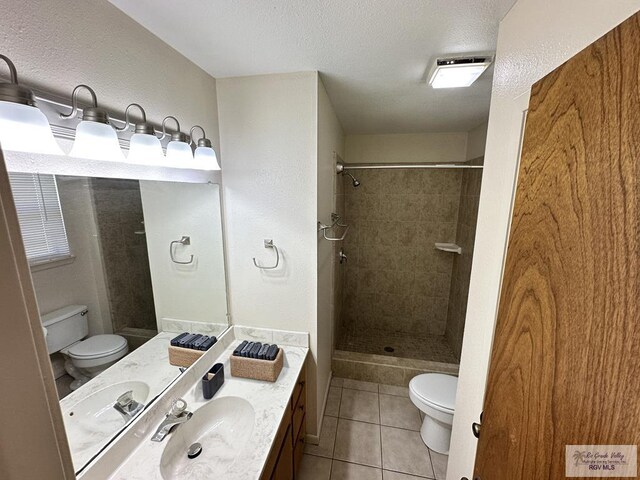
x=212 y=381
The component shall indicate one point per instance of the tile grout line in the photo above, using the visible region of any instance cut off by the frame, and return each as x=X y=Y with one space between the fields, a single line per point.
x=335 y=439
x=380 y=427
x=350 y=462
x=372 y=423
x=431 y=462
x=381 y=468
x=390 y=394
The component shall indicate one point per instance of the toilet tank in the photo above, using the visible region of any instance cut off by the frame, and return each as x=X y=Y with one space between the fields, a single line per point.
x=65 y=326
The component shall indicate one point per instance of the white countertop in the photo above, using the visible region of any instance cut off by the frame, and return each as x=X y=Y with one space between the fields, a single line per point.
x=149 y=363
x=269 y=401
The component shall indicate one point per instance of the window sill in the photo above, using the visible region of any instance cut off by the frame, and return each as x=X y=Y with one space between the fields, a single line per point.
x=53 y=263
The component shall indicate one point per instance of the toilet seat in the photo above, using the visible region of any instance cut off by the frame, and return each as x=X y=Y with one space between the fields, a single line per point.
x=98 y=346
x=436 y=390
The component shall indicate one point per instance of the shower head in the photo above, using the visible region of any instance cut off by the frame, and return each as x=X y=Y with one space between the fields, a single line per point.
x=340 y=170
x=354 y=180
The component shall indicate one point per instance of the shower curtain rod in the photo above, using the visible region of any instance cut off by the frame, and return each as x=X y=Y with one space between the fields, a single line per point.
x=384 y=166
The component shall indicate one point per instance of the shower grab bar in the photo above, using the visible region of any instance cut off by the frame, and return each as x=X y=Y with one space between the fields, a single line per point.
x=335 y=222
x=268 y=243
x=185 y=240
x=335 y=218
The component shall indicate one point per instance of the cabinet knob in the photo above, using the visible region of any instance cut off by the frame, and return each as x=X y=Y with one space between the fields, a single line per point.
x=301 y=383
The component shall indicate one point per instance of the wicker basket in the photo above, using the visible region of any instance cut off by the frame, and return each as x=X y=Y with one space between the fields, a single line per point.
x=267 y=370
x=183 y=357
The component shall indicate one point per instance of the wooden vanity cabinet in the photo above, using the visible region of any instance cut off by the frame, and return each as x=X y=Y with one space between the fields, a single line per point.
x=286 y=453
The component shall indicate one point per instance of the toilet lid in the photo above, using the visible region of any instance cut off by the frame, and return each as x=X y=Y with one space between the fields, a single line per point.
x=436 y=388
x=98 y=346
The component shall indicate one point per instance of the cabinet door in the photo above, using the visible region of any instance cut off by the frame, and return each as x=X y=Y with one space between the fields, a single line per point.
x=284 y=467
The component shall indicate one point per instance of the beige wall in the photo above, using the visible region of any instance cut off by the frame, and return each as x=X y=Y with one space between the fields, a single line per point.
x=406 y=148
x=268 y=129
x=330 y=140
x=534 y=38
x=477 y=141
x=81 y=282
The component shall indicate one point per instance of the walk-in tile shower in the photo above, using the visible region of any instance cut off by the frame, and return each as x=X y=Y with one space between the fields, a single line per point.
x=398 y=295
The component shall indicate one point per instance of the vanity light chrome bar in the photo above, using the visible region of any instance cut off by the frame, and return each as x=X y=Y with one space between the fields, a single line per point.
x=51 y=105
x=390 y=166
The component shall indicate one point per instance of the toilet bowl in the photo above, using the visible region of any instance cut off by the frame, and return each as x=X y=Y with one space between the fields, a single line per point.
x=90 y=357
x=434 y=394
x=66 y=331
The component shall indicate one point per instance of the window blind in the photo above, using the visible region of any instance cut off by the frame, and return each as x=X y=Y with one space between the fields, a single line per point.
x=40 y=216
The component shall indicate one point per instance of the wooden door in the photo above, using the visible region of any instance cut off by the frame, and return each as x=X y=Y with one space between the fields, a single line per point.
x=565 y=365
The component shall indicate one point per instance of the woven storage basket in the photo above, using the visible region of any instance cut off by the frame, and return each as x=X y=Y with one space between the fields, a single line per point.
x=267 y=370
x=183 y=357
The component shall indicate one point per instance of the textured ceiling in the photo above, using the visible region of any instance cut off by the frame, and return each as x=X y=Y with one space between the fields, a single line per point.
x=372 y=54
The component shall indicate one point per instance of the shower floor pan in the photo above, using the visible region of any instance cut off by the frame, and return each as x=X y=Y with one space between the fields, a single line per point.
x=433 y=348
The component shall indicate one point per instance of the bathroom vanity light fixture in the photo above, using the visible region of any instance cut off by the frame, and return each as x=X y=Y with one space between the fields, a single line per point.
x=23 y=127
x=457 y=72
x=179 y=153
x=26 y=128
x=144 y=146
x=95 y=138
x=205 y=156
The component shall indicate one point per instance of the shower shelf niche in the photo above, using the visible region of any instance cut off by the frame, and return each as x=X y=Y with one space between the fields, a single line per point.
x=449 y=247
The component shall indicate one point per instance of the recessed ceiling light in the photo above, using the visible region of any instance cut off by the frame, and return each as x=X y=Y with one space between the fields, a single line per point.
x=457 y=72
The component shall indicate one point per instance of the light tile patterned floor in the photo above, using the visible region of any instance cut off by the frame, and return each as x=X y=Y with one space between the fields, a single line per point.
x=425 y=347
x=370 y=432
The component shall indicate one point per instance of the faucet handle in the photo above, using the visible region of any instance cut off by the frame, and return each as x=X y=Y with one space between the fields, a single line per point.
x=125 y=399
x=178 y=407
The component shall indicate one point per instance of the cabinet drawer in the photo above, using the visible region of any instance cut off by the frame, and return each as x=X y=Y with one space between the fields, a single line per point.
x=298 y=448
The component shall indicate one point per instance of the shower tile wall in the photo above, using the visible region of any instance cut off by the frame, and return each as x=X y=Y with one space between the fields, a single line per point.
x=118 y=208
x=465 y=237
x=395 y=280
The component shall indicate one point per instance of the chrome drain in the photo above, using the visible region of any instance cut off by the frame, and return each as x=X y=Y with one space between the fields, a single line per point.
x=194 y=450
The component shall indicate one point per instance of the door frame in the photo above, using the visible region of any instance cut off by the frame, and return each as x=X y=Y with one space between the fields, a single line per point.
x=477 y=340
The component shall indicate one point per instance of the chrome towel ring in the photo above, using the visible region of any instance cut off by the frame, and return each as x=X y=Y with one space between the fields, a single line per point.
x=185 y=240
x=268 y=243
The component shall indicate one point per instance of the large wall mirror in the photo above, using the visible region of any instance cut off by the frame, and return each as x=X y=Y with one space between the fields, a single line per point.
x=119 y=267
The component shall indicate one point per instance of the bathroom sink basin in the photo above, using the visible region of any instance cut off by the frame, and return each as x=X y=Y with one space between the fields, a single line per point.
x=91 y=422
x=222 y=427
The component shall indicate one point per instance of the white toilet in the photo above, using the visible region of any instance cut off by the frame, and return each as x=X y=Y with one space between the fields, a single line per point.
x=435 y=395
x=65 y=330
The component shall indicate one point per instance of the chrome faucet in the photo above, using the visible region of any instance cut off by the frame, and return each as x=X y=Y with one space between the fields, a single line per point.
x=177 y=415
x=127 y=406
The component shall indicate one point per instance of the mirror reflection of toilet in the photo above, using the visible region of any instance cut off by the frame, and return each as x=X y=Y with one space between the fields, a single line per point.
x=67 y=330
x=435 y=395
